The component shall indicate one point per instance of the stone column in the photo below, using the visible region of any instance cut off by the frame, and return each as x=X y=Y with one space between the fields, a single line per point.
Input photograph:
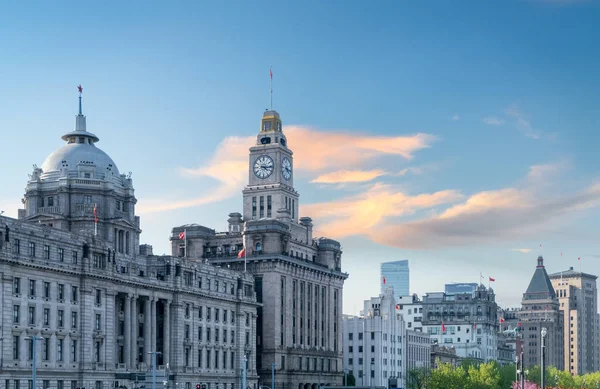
x=153 y=326
x=133 y=331
x=167 y=333
x=148 y=325
x=127 y=331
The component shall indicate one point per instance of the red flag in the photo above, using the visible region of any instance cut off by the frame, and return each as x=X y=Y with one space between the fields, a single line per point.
x=383 y=279
x=397 y=307
x=443 y=327
x=182 y=235
x=492 y=279
x=271 y=72
x=579 y=258
x=242 y=253
x=520 y=324
x=95 y=214
x=501 y=320
x=474 y=326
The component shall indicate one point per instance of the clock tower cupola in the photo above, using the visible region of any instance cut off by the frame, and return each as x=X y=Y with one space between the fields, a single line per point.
x=270 y=191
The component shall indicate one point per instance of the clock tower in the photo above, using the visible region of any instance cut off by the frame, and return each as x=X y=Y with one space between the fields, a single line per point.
x=270 y=191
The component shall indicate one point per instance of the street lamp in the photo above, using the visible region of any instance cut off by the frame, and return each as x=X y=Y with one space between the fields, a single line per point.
x=154 y=353
x=33 y=339
x=272 y=375
x=522 y=369
x=543 y=357
x=244 y=360
x=516 y=369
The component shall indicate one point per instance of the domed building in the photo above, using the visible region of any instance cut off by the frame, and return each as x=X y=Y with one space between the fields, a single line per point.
x=79 y=189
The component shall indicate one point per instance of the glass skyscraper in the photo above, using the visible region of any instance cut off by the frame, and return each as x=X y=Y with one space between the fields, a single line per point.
x=396 y=275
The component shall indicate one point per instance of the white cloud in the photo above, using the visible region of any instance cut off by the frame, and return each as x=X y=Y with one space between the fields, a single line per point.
x=493 y=121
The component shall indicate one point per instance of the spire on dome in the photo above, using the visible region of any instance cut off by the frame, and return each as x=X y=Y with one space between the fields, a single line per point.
x=80 y=124
x=80 y=89
x=80 y=132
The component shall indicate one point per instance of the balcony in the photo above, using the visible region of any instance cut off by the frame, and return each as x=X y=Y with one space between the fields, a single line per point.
x=49 y=210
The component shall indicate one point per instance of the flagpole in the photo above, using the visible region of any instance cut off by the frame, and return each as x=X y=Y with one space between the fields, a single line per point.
x=245 y=254
x=95 y=214
x=271 y=86
x=185 y=241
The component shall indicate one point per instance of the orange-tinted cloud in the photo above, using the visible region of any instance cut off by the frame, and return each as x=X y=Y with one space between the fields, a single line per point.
x=348 y=176
x=314 y=151
x=357 y=215
x=504 y=214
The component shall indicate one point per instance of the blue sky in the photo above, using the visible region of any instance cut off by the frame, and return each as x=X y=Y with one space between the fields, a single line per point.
x=505 y=97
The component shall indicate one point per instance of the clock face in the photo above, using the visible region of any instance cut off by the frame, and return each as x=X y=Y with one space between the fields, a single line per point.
x=286 y=168
x=263 y=166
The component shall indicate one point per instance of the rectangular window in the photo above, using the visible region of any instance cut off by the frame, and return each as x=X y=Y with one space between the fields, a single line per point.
x=98 y=322
x=32 y=249
x=74 y=257
x=51 y=201
x=262 y=206
x=32 y=288
x=61 y=292
x=232 y=336
x=46 y=290
x=46 y=252
x=269 y=206
x=216 y=315
x=200 y=312
x=199 y=334
x=97 y=349
x=74 y=295
x=253 y=207
x=208 y=313
x=16 y=314
x=74 y=320
x=208 y=335
x=31 y=318
x=16 y=346
x=60 y=318
x=47 y=317
x=60 y=384
x=73 y=350
x=293 y=209
x=199 y=358
x=46 y=349
x=208 y=359
x=98 y=296
x=59 y=349
x=16 y=285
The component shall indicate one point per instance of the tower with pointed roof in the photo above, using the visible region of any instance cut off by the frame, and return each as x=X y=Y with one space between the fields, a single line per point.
x=540 y=309
x=79 y=185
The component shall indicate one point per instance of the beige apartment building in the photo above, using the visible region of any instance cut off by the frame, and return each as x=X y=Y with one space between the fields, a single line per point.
x=577 y=295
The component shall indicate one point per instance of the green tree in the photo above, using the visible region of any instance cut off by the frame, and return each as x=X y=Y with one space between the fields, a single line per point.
x=447 y=376
x=484 y=376
x=417 y=378
x=507 y=375
x=350 y=379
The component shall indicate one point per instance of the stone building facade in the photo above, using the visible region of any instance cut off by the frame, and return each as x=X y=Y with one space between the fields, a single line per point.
x=98 y=303
x=298 y=278
x=375 y=343
x=466 y=321
x=540 y=309
x=578 y=297
x=418 y=350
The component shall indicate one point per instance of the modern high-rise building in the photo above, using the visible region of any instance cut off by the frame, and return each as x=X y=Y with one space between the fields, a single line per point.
x=298 y=278
x=578 y=298
x=540 y=309
x=395 y=275
x=374 y=343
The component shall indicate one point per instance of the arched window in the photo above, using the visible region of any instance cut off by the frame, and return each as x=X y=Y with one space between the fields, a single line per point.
x=258 y=247
x=478 y=310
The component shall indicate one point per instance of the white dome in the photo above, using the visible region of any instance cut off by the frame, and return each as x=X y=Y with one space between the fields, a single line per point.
x=73 y=154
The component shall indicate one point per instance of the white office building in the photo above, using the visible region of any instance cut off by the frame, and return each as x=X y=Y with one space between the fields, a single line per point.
x=374 y=348
x=411 y=309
